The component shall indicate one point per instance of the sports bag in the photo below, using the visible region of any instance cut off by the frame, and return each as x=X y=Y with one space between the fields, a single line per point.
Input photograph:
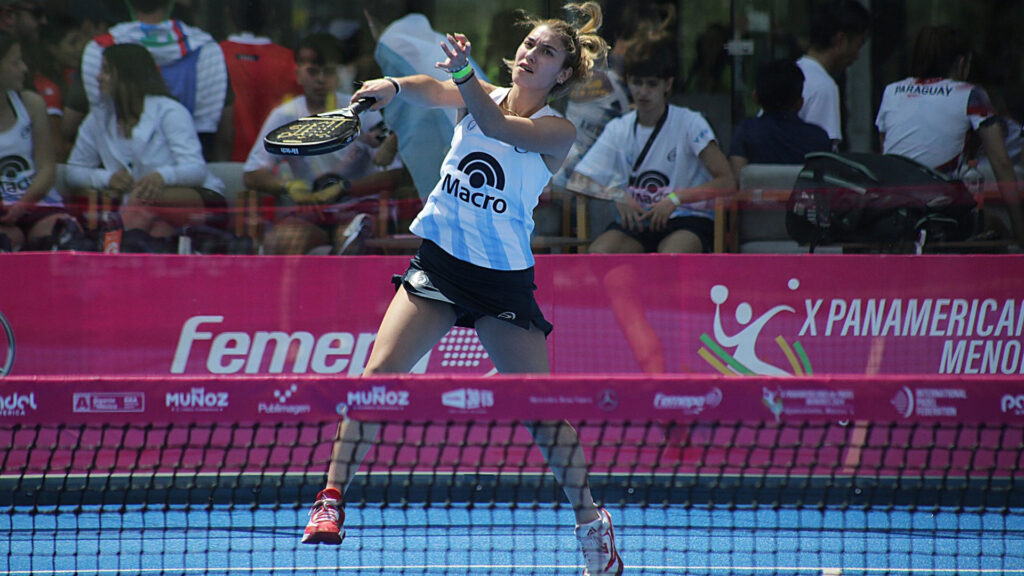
x=875 y=198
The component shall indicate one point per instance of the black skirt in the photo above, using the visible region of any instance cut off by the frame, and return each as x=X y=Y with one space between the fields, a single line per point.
x=473 y=290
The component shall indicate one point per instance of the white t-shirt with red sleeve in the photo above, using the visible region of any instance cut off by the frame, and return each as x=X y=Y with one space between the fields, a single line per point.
x=928 y=119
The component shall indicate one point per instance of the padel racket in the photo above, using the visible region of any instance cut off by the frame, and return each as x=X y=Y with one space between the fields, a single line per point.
x=320 y=134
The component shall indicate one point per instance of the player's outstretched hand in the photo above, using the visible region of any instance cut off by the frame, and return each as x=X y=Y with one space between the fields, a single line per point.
x=457 y=49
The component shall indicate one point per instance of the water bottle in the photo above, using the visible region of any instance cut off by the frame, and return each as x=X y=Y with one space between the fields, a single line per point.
x=974 y=180
x=185 y=241
x=111 y=231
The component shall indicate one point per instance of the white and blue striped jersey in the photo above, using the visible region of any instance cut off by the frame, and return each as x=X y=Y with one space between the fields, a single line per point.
x=481 y=210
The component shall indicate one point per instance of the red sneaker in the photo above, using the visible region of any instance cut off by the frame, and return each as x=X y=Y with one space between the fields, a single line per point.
x=326 y=519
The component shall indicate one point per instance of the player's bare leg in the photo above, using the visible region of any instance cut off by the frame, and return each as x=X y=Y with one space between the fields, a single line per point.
x=411 y=327
x=513 y=351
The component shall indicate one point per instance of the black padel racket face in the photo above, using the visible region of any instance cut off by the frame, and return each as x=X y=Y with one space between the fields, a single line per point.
x=319 y=134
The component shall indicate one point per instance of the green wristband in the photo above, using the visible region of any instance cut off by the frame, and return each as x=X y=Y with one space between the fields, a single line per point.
x=462 y=72
x=464 y=79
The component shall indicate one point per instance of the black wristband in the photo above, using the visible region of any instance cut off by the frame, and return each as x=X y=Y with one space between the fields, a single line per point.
x=398 y=88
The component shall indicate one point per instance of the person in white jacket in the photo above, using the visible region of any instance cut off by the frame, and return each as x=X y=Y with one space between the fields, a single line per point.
x=139 y=147
x=190 y=60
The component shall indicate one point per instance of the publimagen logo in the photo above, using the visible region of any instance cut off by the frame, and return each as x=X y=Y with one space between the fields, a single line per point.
x=737 y=353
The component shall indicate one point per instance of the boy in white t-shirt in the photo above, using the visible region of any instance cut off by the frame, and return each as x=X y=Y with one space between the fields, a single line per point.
x=838 y=31
x=314 y=200
x=663 y=161
x=664 y=167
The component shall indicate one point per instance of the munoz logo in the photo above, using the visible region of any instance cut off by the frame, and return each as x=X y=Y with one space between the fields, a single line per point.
x=197 y=399
x=737 y=353
x=376 y=398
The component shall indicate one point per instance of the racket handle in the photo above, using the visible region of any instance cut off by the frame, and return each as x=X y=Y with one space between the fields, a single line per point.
x=362 y=105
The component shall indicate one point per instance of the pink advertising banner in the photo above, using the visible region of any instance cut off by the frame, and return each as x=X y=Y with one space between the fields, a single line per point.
x=811 y=425
x=932 y=341
x=143 y=400
x=91 y=314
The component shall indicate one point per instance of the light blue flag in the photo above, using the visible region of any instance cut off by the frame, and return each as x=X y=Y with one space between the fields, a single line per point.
x=410 y=46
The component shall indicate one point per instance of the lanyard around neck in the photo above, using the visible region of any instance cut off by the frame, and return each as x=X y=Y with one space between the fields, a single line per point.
x=650 y=139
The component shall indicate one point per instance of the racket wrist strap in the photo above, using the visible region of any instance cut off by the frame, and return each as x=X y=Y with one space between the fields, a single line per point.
x=462 y=73
x=398 y=87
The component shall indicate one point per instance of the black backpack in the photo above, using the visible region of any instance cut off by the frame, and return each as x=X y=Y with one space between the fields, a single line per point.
x=877 y=199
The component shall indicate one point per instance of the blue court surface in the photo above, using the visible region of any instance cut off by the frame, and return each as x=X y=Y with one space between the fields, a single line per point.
x=503 y=540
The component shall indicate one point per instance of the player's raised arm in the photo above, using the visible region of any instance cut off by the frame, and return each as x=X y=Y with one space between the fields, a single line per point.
x=419 y=89
x=541 y=58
